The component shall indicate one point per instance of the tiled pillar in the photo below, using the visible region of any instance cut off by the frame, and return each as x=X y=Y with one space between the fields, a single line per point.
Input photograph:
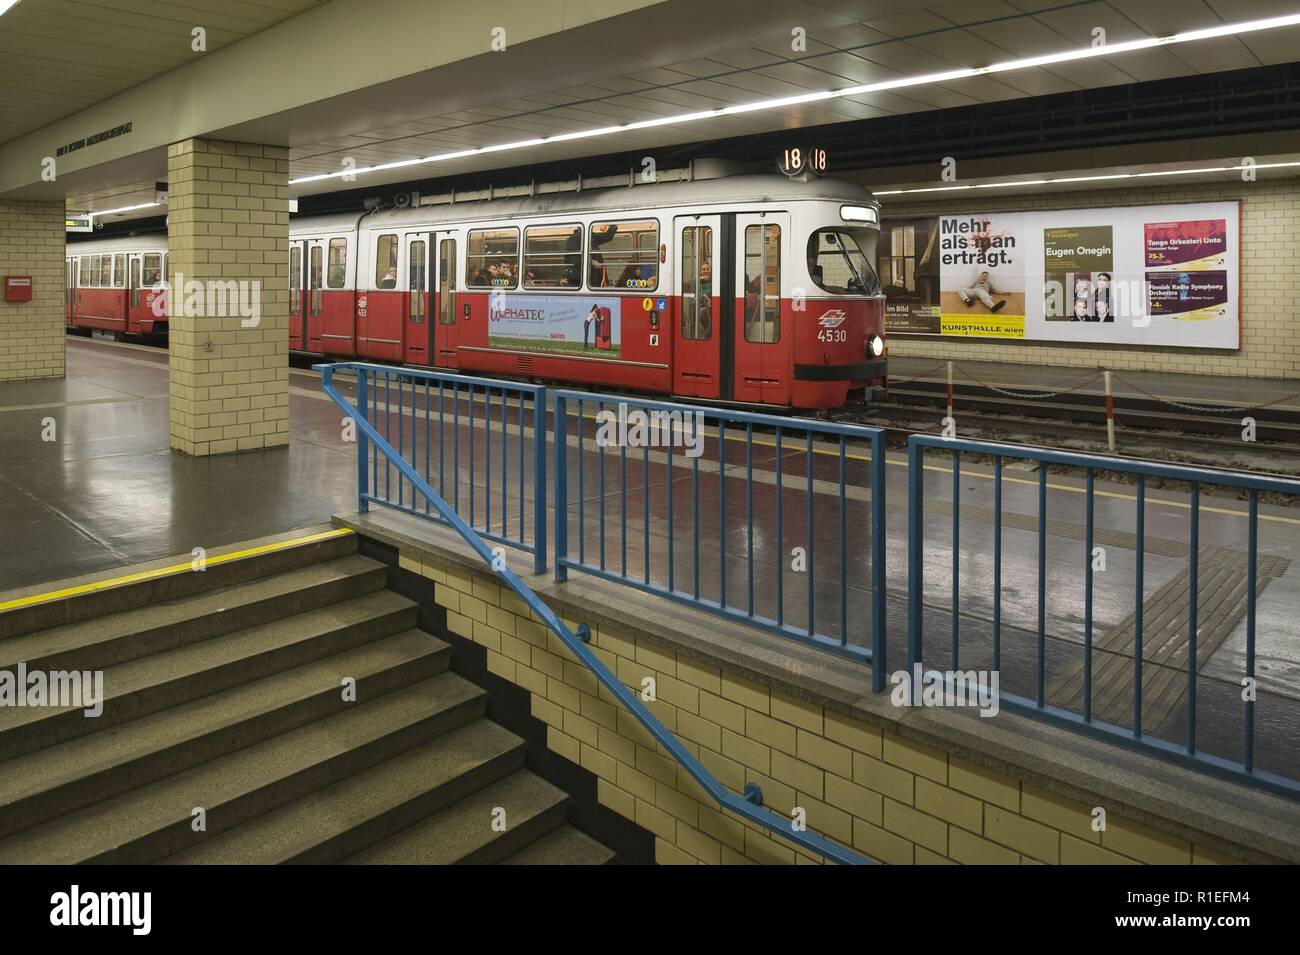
x=228 y=234
x=32 y=241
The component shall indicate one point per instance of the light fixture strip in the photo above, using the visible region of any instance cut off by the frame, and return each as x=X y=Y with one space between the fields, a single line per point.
x=1101 y=177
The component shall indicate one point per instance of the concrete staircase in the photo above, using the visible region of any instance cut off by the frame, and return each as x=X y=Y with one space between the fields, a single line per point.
x=224 y=692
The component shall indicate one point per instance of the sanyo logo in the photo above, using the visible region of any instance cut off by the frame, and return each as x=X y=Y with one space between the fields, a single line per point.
x=832 y=319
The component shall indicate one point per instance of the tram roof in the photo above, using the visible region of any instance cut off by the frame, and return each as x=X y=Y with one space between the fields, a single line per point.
x=697 y=192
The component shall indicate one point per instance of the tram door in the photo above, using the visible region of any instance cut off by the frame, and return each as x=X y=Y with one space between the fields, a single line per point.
x=698 y=365
x=762 y=343
x=418 y=339
x=297 y=313
x=446 y=310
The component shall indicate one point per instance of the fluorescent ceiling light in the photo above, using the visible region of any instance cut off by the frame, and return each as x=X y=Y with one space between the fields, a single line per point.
x=112 y=212
x=1100 y=177
x=1007 y=66
x=6 y=6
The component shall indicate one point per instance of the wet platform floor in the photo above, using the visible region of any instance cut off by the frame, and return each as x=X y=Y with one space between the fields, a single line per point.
x=109 y=492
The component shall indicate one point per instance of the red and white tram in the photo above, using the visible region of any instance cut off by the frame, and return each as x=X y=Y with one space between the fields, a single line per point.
x=112 y=285
x=753 y=289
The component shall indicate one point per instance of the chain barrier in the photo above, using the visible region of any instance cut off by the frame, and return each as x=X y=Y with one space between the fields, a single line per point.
x=892 y=382
x=1027 y=395
x=1206 y=409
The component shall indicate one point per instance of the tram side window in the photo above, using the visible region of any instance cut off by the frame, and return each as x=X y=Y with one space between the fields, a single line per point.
x=119 y=271
x=417 y=281
x=295 y=279
x=492 y=258
x=152 y=276
x=553 y=256
x=763 y=283
x=697 y=283
x=86 y=272
x=337 y=273
x=624 y=255
x=386 y=262
x=447 y=282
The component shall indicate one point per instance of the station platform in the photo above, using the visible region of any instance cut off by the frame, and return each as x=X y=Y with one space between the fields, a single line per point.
x=1226 y=393
x=108 y=493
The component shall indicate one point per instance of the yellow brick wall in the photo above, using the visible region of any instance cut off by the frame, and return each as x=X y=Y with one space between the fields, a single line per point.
x=228 y=219
x=32 y=241
x=892 y=799
x=1270 y=281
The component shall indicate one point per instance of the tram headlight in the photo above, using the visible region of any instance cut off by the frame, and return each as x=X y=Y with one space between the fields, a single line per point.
x=877 y=345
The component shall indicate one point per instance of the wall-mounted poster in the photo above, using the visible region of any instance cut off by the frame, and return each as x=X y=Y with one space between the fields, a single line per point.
x=1133 y=275
x=586 y=325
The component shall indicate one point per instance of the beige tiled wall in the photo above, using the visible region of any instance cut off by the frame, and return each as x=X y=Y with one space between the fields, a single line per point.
x=1270 y=281
x=32 y=242
x=892 y=799
x=228 y=219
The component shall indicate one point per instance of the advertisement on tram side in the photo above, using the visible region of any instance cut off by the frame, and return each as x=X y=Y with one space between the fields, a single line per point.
x=586 y=326
x=1133 y=275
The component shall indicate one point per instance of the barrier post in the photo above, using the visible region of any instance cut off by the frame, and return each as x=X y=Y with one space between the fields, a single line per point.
x=949 y=389
x=1110 y=415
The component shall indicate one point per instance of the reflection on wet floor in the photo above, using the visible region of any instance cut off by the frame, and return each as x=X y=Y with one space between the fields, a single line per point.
x=109 y=492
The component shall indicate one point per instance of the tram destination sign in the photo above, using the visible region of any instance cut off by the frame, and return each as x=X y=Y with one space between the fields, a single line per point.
x=796 y=161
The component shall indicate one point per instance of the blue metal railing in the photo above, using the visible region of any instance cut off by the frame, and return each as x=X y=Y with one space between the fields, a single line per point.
x=748 y=805
x=454 y=430
x=806 y=460
x=1085 y=719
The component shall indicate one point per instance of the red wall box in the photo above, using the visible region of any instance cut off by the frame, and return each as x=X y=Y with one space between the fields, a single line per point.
x=18 y=288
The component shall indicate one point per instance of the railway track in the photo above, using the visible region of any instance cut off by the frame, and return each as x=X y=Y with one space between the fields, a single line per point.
x=1143 y=427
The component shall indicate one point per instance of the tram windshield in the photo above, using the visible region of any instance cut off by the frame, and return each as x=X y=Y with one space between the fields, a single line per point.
x=838 y=263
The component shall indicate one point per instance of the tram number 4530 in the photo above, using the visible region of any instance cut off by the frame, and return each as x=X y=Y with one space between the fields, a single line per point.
x=832 y=335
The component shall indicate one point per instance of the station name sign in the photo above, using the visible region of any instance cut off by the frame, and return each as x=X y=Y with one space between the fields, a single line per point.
x=107 y=134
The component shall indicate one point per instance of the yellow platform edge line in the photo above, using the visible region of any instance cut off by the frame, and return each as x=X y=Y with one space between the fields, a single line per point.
x=186 y=567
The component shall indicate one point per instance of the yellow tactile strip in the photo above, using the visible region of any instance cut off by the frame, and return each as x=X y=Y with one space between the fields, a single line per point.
x=185 y=567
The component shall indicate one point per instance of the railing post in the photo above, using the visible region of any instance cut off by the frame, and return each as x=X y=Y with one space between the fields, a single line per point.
x=363 y=447
x=915 y=550
x=878 y=648
x=560 y=416
x=539 y=480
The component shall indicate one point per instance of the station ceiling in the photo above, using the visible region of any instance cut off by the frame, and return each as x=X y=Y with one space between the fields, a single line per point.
x=682 y=56
x=58 y=57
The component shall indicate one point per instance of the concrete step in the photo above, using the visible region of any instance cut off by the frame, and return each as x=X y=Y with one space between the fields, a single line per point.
x=154 y=821
x=464 y=834
x=359 y=811
x=39 y=786
x=155 y=590
x=130 y=634
x=149 y=684
x=565 y=846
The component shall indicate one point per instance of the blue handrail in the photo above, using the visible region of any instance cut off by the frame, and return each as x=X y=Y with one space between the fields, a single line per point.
x=749 y=805
x=375 y=387
x=1136 y=734
x=674 y=434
